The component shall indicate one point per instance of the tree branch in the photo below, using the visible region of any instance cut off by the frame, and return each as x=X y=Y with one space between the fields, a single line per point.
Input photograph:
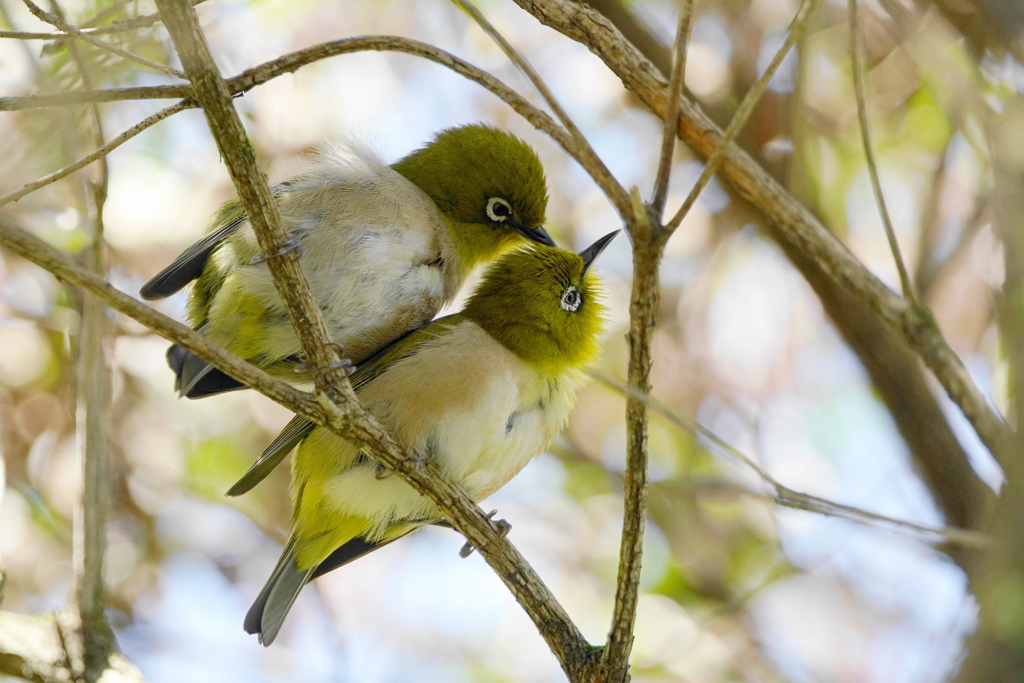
x=94 y=156
x=860 y=96
x=743 y=112
x=684 y=27
x=293 y=61
x=648 y=248
x=355 y=424
x=64 y=26
x=784 y=496
x=996 y=649
x=580 y=146
x=798 y=232
x=212 y=94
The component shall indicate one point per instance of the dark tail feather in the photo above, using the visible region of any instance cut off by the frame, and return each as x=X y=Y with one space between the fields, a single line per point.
x=189 y=265
x=272 y=604
x=294 y=432
x=267 y=613
x=352 y=550
x=194 y=378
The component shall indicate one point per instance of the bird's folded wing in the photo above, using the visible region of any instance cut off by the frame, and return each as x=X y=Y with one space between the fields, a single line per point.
x=189 y=265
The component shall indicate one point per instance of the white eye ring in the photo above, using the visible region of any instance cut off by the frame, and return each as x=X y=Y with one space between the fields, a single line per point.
x=498 y=210
x=572 y=299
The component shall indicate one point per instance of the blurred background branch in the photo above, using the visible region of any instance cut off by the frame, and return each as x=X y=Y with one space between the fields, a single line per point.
x=996 y=650
x=843 y=292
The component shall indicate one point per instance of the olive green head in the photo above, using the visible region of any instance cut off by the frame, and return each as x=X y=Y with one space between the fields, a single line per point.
x=489 y=184
x=543 y=304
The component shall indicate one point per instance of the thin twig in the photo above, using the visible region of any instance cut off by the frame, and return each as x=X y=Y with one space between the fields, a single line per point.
x=354 y=424
x=648 y=248
x=100 y=153
x=783 y=495
x=581 y=144
x=111 y=9
x=801 y=235
x=743 y=112
x=91 y=418
x=293 y=61
x=857 y=47
x=671 y=123
x=147 y=92
x=337 y=402
x=133 y=24
x=59 y=23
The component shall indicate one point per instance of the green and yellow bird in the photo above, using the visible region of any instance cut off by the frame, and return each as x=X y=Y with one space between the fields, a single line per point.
x=384 y=248
x=480 y=393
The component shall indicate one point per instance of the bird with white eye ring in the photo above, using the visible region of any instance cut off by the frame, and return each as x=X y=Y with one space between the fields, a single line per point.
x=480 y=393
x=572 y=299
x=498 y=210
x=383 y=247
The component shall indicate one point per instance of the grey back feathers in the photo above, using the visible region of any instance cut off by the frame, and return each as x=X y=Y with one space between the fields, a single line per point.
x=374 y=248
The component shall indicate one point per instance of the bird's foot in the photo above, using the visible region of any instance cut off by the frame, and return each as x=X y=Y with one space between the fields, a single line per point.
x=342 y=363
x=291 y=243
x=414 y=462
x=499 y=525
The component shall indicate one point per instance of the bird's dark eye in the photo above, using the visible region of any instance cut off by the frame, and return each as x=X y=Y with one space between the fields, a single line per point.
x=498 y=210
x=572 y=299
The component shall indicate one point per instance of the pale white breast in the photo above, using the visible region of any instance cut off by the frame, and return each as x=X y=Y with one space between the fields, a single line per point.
x=373 y=249
x=470 y=405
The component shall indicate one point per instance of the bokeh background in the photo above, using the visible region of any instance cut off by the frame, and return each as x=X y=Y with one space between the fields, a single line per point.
x=735 y=588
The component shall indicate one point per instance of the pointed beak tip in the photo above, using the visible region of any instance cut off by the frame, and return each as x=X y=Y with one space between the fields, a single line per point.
x=541 y=236
x=590 y=254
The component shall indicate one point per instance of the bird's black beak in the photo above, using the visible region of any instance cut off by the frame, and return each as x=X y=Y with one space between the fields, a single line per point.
x=537 y=234
x=590 y=254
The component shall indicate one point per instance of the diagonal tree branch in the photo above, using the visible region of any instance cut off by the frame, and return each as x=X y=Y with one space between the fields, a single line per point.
x=857 y=48
x=353 y=423
x=743 y=112
x=798 y=232
x=94 y=156
x=684 y=27
x=349 y=419
x=295 y=60
x=786 y=497
x=212 y=94
x=60 y=23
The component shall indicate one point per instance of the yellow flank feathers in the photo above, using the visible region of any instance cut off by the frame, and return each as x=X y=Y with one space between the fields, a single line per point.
x=479 y=393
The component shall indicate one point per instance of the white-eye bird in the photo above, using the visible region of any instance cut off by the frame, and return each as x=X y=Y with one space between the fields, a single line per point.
x=384 y=248
x=479 y=393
